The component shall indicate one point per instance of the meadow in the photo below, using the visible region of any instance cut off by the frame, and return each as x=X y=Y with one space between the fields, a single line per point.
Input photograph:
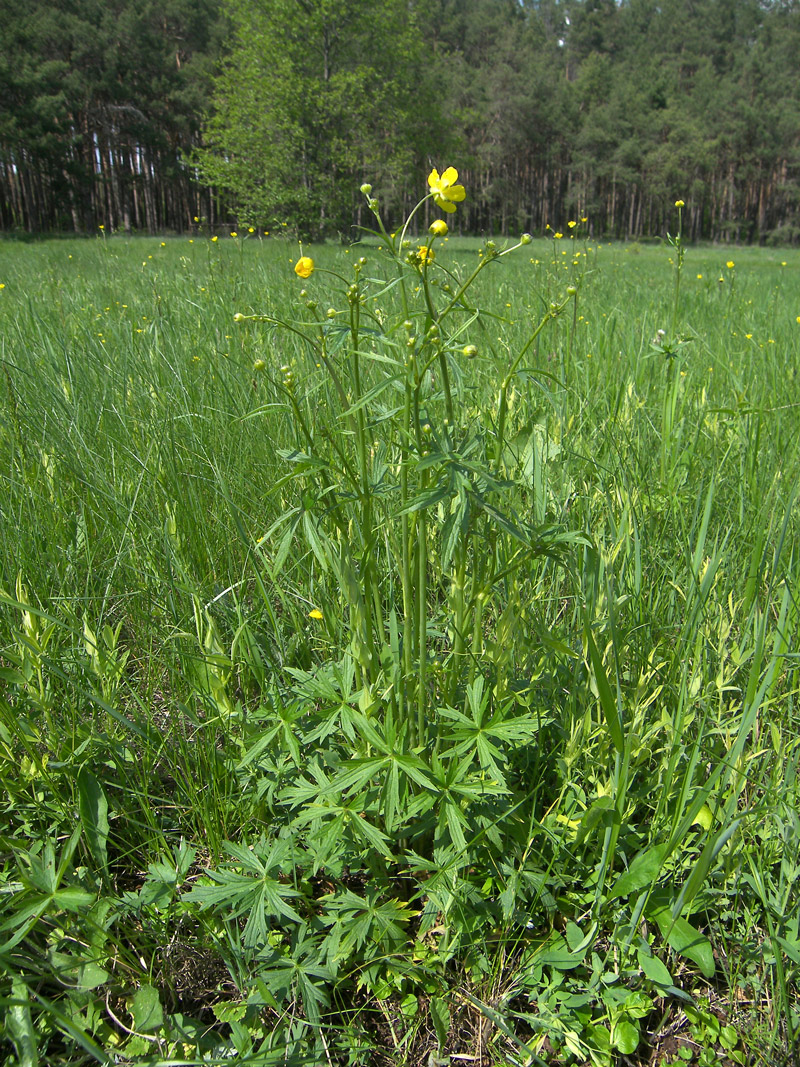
x=397 y=664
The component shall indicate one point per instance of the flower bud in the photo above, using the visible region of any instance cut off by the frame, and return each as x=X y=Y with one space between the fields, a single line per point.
x=469 y=351
x=331 y=313
x=372 y=204
x=238 y=317
x=525 y=239
x=438 y=228
x=366 y=188
x=571 y=290
x=679 y=203
x=259 y=365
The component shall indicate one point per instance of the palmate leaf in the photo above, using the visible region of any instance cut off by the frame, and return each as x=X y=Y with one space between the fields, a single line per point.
x=489 y=733
x=301 y=972
x=255 y=893
x=357 y=922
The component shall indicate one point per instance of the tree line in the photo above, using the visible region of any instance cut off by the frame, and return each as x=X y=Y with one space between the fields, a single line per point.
x=148 y=116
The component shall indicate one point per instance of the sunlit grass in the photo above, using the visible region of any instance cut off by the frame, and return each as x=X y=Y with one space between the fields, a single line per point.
x=172 y=628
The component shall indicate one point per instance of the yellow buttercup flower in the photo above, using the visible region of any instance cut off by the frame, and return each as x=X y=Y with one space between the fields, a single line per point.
x=446 y=194
x=425 y=255
x=304 y=267
x=730 y=264
x=438 y=228
x=315 y=613
x=679 y=203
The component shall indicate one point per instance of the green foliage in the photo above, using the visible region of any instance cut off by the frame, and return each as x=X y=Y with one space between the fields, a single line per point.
x=227 y=830
x=312 y=98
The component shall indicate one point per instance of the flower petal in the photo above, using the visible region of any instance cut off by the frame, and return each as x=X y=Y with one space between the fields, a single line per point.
x=445 y=206
x=433 y=179
x=456 y=193
x=450 y=176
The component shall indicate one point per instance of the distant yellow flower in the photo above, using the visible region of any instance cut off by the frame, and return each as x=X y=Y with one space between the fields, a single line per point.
x=438 y=228
x=213 y=239
x=196 y=219
x=250 y=229
x=446 y=194
x=3 y=284
x=234 y=233
x=679 y=203
x=572 y=225
x=699 y=277
x=425 y=255
x=304 y=267
x=558 y=236
x=730 y=264
x=315 y=613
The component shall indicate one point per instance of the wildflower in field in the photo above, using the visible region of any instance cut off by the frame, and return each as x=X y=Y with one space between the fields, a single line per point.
x=558 y=236
x=250 y=229
x=572 y=225
x=679 y=203
x=196 y=219
x=425 y=255
x=3 y=284
x=699 y=277
x=315 y=613
x=304 y=267
x=438 y=228
x=446 y=194
x=214 y=239
x=730 y=264
x=234 y=233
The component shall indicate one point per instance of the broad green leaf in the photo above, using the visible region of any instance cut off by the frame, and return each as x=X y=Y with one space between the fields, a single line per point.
x=19 y=1024
x=643 y=871
x=91 y=975
x=686 y=940
x=625 y=1036
x=93 y=807
x=148 y=1015
x=654 y=969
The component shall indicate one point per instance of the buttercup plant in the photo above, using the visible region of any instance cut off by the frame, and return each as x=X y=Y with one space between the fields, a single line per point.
x=402 y=499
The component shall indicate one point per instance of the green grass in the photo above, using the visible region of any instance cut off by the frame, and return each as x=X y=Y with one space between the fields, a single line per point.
x=528 y=791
